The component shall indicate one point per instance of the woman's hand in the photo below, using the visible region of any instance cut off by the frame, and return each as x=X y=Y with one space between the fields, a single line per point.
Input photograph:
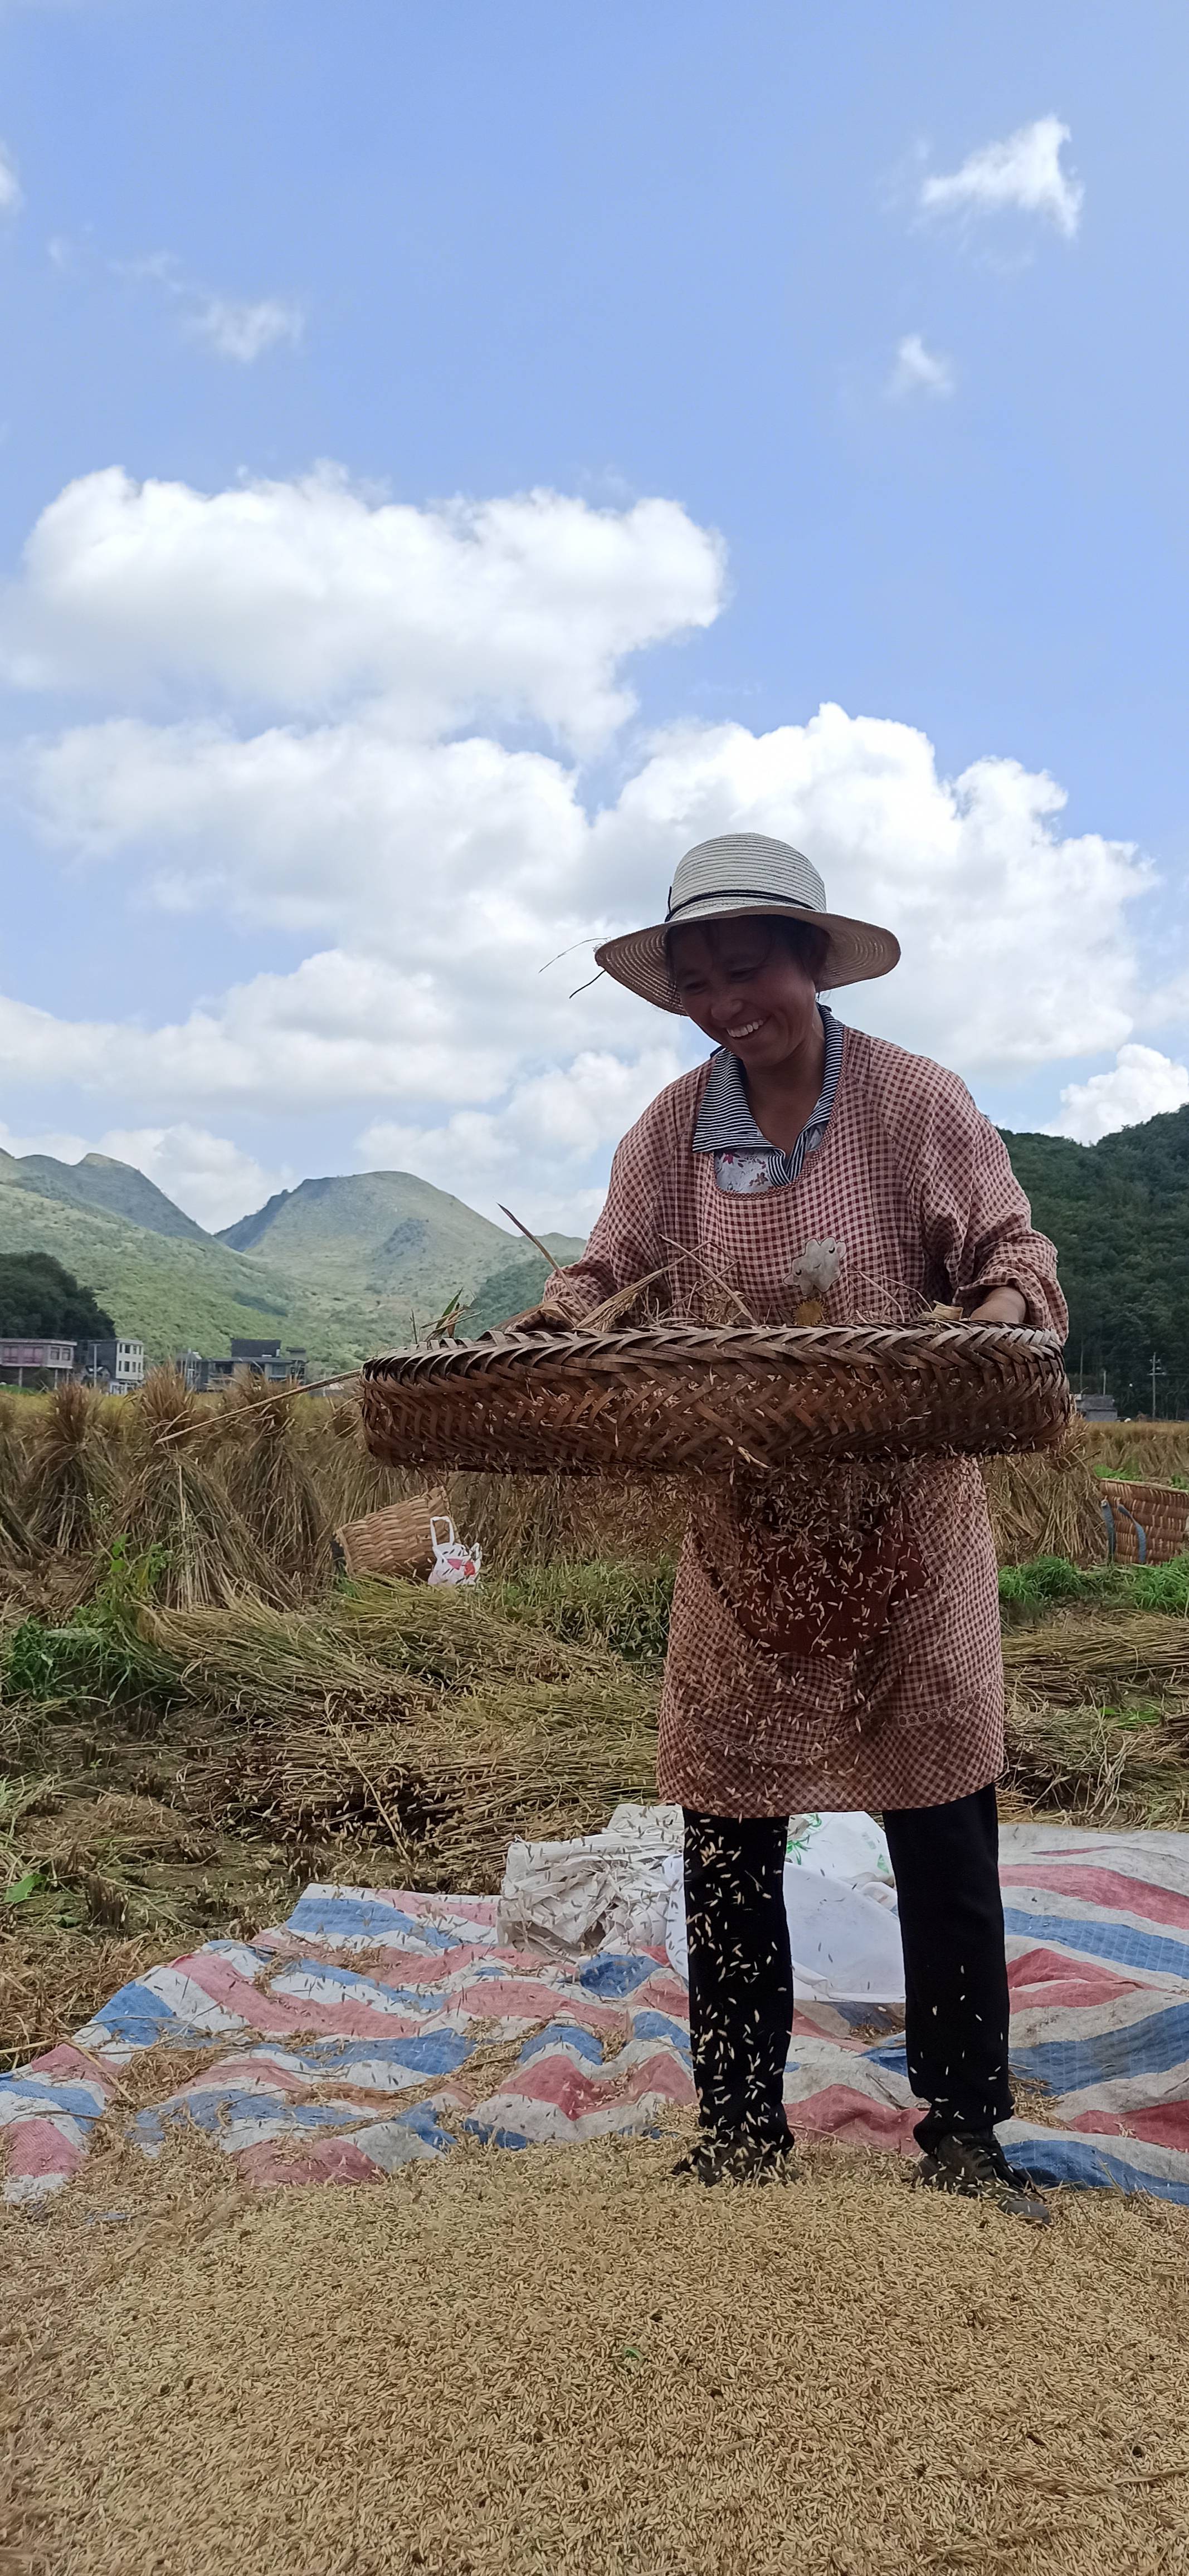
x=999 y=1306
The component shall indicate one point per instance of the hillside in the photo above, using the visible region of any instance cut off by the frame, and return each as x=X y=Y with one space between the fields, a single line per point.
x=1118 y=1213
x=512 y=1290
x=388 y=1231
x=172 y=1293
x=99 y=1182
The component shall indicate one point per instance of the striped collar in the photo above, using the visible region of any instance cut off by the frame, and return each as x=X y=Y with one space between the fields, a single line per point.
x=725 y=1123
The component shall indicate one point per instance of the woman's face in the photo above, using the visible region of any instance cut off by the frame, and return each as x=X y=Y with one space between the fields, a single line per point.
x=739 y=982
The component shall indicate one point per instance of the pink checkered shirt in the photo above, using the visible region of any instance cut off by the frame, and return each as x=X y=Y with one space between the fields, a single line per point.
x=770 y=1705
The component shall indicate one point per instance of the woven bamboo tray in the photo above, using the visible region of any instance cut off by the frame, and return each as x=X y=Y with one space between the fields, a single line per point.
x=673 y=1399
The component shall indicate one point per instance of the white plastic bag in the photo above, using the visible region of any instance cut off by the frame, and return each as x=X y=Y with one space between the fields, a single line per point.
x=607 y=1891
x=453 y=1561
x=840 y=1899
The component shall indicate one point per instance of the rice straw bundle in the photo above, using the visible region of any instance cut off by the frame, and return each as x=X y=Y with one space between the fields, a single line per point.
x=258 y=1663
x=1047 y=1504
x=270 y=1482
x=172 y=1501
x=1081 y=1656
x=350 y=1481
x=13 y=1454
x=1155 y=1450
x=68 y=1483
x=417 y=1718
x=1089 y=1762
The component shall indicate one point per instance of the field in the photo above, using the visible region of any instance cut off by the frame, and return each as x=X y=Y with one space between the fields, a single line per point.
x=198 y=1713
x=490 y=2367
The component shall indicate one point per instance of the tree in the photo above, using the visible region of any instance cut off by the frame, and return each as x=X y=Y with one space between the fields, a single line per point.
x=37 y=1296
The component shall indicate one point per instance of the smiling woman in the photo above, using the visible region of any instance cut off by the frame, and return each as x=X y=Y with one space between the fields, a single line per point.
x=751 y=984
x=835 y=1638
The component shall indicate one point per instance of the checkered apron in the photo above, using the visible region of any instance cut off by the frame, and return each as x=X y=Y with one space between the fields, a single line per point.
x=835 y=1638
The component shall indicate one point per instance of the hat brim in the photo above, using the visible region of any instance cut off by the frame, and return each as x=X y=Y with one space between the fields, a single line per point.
x=858 y=949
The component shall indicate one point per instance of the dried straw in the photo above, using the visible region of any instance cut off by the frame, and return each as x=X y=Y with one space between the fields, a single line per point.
x=1047 y=1504
x=269 y=1479
x=415 y=1715
x=562 y=2364
x=69 y=1479
x=173 y=1501
x=1095 y=1767
x=1081 y=1653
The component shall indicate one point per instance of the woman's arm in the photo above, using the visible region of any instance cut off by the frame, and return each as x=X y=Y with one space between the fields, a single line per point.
x=627 y=1241
x=977 y=1223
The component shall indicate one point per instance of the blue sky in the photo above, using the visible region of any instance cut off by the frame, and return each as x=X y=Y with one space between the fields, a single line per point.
x=306 y=771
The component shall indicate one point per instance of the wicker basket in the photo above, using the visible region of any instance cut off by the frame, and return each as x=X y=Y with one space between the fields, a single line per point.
x=397 y=1540
x=675 y=1399
x=1156 y=1515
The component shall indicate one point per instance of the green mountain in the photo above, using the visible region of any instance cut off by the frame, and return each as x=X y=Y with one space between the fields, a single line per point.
x=388 y=1230
x=512 y=1290
x=385 y=1230
x=1118 y=1213
x=98 y=1182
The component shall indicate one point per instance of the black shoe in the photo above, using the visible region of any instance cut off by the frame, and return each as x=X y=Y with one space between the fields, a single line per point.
x=977 y=2168
x=739 y=2159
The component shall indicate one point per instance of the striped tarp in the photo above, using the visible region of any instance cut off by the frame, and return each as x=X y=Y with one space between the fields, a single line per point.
x=313 y=2032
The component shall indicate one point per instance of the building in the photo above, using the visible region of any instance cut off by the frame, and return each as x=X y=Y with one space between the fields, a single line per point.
x=245 y=1359
x=39 y=1363
x=1096 y=1408
x=117 y=1367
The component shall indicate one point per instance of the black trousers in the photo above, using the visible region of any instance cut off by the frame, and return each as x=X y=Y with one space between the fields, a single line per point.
x=945 y=1861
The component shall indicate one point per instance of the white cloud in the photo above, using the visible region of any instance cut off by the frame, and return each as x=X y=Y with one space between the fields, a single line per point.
x=1141 y=1084
x=1024 y=172
x=12 y=196
x=214 y=1180
x=531 y=1153
x=1016 y=943
x=919 y=370
x=452 y=874
x=246 y=330
x=308 y=595
x=433 y=870
x=233 y=326
x=63 y=1147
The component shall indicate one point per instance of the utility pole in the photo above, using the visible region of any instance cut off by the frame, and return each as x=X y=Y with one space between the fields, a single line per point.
x=1157 y=1371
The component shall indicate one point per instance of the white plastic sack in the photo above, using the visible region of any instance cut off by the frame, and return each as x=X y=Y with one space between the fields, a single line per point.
x=453 y=1560
x=840 y=1900
x=606 y=1891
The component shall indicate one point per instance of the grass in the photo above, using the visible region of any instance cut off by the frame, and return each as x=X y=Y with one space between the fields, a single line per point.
x=1047 y=1582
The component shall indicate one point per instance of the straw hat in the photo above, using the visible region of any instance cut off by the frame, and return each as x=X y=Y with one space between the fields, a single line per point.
x=746 y=872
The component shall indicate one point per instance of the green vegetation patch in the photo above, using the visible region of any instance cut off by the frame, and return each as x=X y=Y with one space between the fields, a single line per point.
x=1048 y=1582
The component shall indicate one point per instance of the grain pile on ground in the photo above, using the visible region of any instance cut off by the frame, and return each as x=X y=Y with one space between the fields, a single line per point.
x=565 y=2363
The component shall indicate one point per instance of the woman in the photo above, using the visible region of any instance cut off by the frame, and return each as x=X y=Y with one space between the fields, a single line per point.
x=835 y=1637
